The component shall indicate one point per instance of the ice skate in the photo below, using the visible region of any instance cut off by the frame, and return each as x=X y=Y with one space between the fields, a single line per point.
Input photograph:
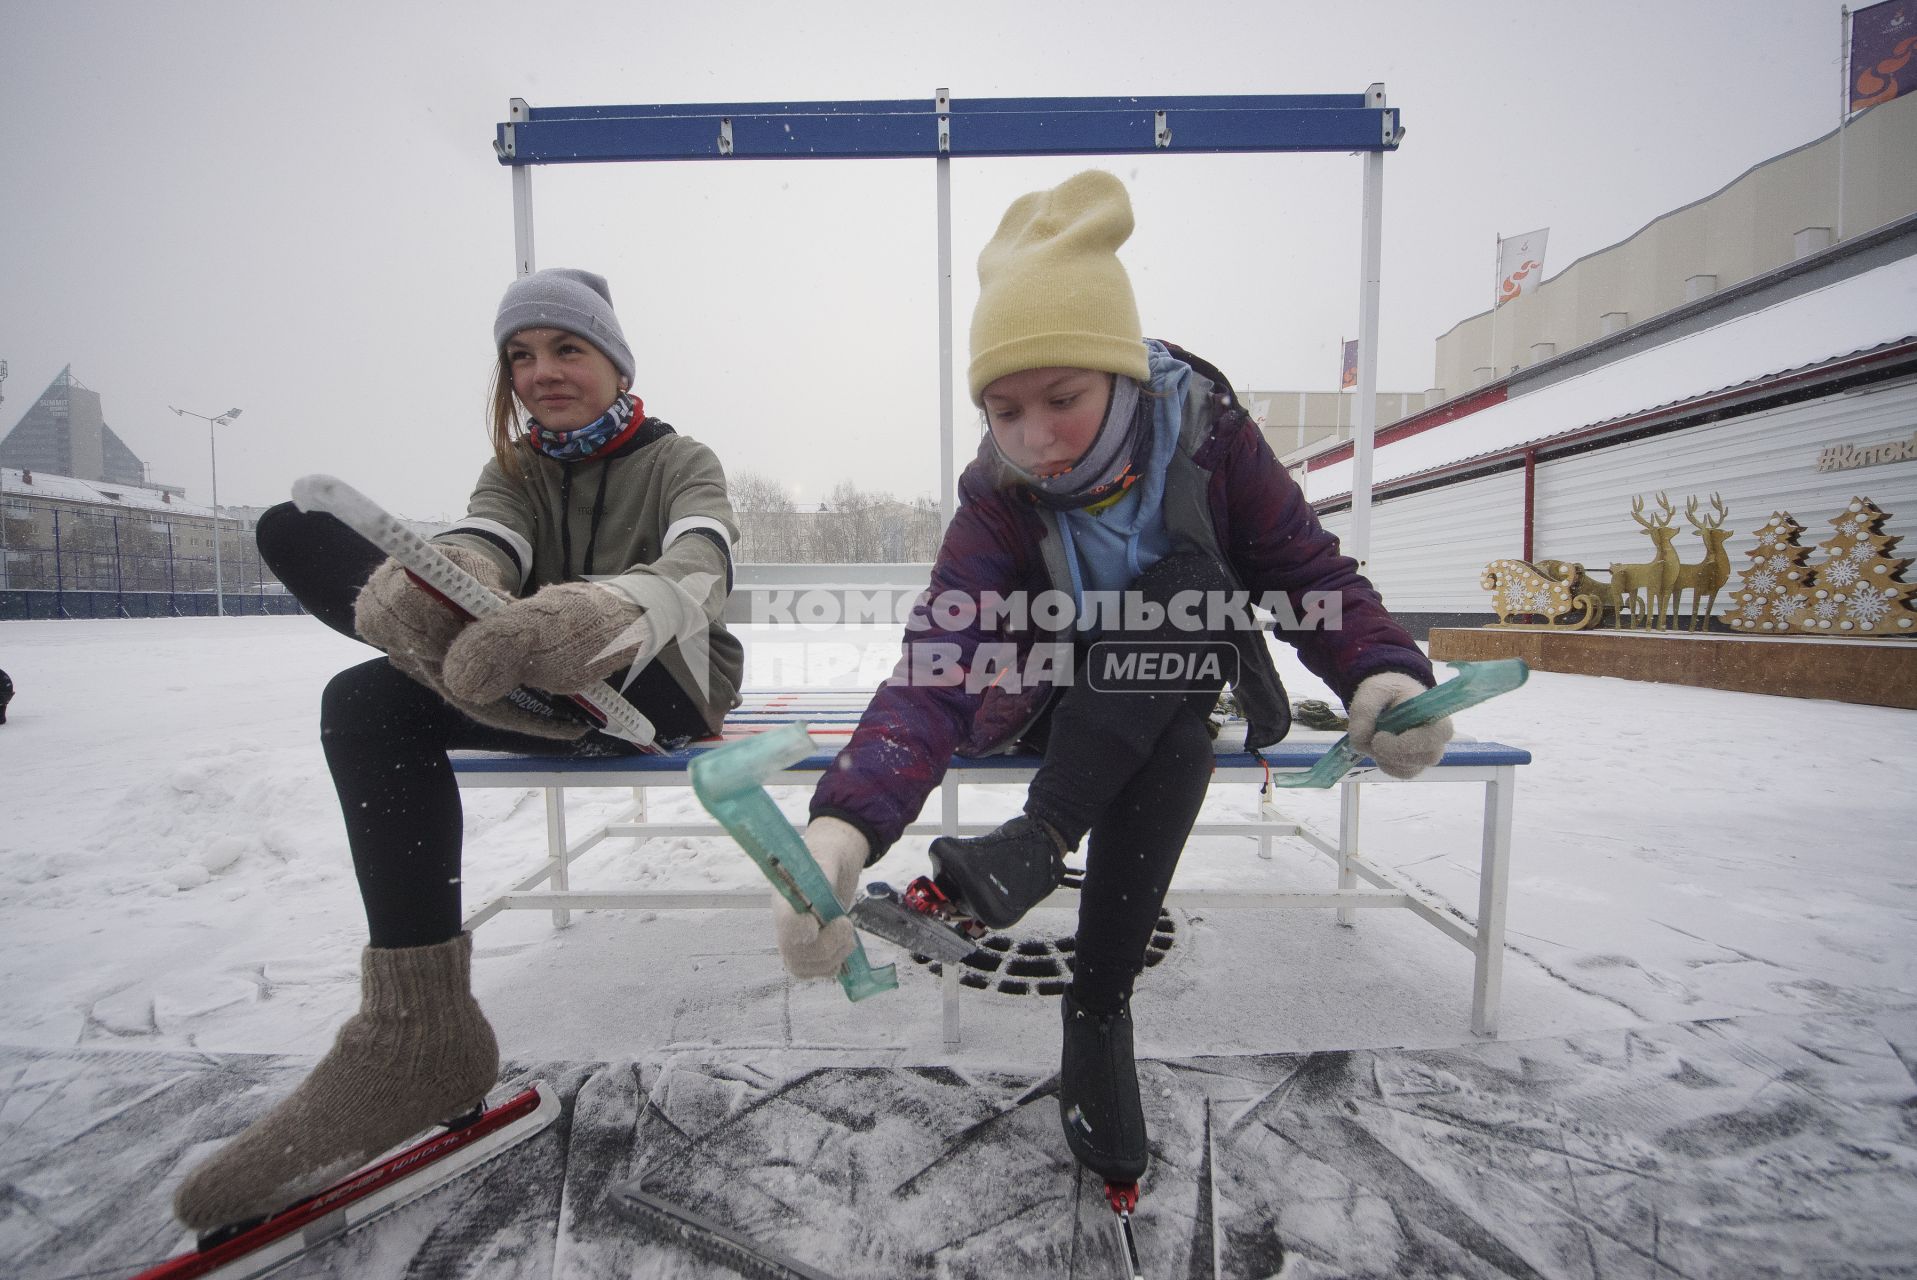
x=998 y=877
x=1098 y=1093
x=418 y=1053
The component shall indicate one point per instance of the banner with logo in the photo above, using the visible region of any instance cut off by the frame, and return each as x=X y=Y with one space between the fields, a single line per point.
x=1520 y=264
x=1883 y=52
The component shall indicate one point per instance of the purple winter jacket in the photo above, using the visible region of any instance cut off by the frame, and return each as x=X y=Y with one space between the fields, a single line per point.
x=1225 y=489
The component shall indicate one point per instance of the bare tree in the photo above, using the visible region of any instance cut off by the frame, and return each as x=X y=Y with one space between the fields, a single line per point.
x=753 y=491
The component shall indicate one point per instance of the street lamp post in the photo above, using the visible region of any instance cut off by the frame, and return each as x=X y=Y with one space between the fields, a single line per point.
x=213 y=454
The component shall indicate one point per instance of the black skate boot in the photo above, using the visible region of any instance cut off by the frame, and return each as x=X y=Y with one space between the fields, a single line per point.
x=999 y=876
x=1098 y=1093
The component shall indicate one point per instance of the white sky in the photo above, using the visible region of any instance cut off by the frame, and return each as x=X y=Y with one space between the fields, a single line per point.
x=295 y=209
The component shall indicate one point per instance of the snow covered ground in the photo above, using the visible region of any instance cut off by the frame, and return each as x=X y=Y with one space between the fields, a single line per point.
x=173 y=879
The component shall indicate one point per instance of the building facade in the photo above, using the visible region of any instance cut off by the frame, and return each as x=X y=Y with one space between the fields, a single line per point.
x=1792 y=392
x=65 y=434
x=72 y=548
x=1781 y=211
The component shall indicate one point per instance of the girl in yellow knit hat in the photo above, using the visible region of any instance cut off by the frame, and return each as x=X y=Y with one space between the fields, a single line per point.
x=1120 y=503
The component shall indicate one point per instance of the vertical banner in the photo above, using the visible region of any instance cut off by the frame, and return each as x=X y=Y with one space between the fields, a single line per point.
x=1348 y=372
x=1520 y=265
x=1883 y=52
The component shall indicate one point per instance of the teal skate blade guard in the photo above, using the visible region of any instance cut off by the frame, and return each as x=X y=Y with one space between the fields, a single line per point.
x=730 y=783
x=1474 y=682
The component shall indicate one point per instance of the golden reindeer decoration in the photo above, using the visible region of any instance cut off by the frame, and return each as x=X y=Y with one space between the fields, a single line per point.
x=1708 y=576
x=1657 y=578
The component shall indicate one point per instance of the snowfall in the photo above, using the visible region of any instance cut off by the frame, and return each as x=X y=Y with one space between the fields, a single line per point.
x=1704 y=1062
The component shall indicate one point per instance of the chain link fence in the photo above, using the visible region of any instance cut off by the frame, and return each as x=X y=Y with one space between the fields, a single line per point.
x=59 y=561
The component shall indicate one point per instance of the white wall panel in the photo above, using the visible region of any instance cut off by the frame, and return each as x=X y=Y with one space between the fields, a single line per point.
x=1761 y=463
x=1428 y=549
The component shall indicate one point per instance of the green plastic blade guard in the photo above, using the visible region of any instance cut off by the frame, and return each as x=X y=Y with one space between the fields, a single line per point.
x=1475 y=682
x=730 y=783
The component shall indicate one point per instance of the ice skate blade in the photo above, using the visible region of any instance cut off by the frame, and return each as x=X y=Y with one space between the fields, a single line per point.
x=881 y=913
x=397 y=1180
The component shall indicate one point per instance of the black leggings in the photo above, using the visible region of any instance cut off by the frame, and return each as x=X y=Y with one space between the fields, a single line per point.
x=1129 y=768
x=386 y=737
x=1134 y=848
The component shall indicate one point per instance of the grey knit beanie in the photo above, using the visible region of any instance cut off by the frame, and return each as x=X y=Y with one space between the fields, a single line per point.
x=564 y=298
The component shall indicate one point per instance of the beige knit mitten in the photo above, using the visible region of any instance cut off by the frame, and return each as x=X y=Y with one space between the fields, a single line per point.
x=418 y=1053
x=1402 y=755
x=809 y=951
x=396 y=614
x=563 y=638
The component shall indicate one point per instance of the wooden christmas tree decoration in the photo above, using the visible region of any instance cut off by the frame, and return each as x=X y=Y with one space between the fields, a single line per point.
x=1858 y=588
x=1776 y=584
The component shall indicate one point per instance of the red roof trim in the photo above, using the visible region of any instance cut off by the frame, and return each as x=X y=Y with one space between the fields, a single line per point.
x=1449 y=411
x=1614 y=426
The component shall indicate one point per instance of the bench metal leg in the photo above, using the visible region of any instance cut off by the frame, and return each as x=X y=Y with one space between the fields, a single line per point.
x=949 y=991
x=1347 y=846
x=556 y=850
x=948 y=807
x=1487 y=986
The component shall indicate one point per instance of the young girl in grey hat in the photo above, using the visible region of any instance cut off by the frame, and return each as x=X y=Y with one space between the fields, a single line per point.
x=612 y=536
x=1111 y=466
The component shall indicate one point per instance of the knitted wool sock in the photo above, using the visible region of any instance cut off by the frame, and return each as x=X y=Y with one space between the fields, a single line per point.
x=418 y=1053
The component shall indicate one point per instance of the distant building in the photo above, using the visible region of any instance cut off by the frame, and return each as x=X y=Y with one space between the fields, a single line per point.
x=1782 y=211
x=1793 y=391
x=64 y=434
x=1772 y=221
x=83 y=535
x=1298 y=424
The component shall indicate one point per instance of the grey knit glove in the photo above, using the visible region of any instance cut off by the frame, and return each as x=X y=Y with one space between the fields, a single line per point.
x=563 y=638
x=809 y=951
x=1402 y=755
x=396 y=614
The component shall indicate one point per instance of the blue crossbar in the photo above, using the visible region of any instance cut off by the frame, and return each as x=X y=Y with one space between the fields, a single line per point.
x=1300 y=755
x=976 y=127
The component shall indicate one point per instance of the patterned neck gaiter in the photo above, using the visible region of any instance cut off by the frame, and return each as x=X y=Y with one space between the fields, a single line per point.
x=602 y=435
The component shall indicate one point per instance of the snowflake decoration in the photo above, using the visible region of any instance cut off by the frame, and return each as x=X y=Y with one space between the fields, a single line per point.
x=1754 y=608
x=1840 y=573
x=1860 y=552
x=1825 y=608
x=1867 y=608
x=1764 y=581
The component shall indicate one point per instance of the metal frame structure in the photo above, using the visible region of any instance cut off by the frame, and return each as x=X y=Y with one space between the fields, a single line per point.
x=832 y=715
x=942 y=127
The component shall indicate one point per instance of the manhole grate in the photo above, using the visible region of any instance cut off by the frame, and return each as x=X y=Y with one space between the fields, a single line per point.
x=1037 y=966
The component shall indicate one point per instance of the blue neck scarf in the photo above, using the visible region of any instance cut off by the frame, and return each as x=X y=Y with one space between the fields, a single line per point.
x=609 y=429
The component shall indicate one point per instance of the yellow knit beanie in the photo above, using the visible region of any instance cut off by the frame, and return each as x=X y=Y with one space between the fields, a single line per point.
x=1051 y=288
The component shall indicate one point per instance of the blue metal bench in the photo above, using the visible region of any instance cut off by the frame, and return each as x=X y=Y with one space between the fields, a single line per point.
x=831 y=715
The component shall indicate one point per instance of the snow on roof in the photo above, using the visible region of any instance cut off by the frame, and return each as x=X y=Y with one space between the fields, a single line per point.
x=135 y=497
x=1866 y=311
